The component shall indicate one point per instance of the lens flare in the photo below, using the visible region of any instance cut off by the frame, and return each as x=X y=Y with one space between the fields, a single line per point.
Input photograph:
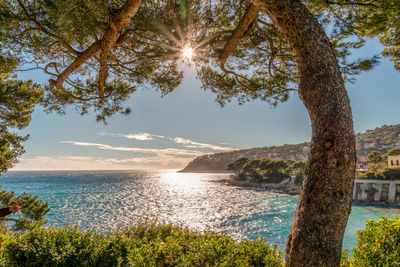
x=187 y=53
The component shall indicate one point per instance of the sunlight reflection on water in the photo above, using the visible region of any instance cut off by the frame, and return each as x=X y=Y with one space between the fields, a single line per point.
x=105 y=200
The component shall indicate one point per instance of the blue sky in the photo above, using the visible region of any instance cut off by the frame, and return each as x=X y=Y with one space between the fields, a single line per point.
x=169 y=132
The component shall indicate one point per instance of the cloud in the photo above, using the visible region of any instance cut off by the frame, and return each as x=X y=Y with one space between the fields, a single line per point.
x=101 y=163
x=162 y=151
x=150 y=158
x=138 y=136
x=178 y=140
x=192 y=144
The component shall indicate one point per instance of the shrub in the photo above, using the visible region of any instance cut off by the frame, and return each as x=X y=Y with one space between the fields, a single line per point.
x=378 y=244
x=394 y=151
x=276 y=176
x=299 y=179
x=146 y=244
x=391 y=173
x=386 y=174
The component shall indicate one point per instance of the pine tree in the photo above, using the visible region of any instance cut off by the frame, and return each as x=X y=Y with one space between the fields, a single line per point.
x=98 y=52
x=17 y=102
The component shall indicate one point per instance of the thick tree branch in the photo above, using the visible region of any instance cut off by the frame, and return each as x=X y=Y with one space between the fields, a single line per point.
x=210 y=38
x=103 y=72
x=118 y=22
x=230 y=47
x=10 y=219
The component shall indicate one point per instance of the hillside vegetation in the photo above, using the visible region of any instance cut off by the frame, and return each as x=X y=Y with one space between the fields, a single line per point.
x=267 y=169
x=380 y=139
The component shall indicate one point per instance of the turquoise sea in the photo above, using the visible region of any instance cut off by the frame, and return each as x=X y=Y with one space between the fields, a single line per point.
x=104 y=200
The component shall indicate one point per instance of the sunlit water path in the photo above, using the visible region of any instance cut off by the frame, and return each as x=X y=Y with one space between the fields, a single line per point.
x=106 y=199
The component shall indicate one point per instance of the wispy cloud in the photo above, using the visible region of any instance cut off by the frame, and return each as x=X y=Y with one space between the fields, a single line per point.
x=100 y=163
x=192 y=144
x=162 y=151
x=177 y=140
x=138 y=136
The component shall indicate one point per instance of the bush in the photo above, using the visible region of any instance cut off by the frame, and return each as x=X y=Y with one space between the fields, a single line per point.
x=276 y=176
x=299 y=179
x=391 y=173
x=142 y=245
x=378 y=244
x=386 y=174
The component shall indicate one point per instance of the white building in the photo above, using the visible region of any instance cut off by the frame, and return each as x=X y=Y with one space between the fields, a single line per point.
x=377 y=190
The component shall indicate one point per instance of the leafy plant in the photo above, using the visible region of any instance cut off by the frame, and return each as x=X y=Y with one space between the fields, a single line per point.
x=385 y=174
x=378 y=244
x=267 y=169
x=32 y=213
x=145 y=244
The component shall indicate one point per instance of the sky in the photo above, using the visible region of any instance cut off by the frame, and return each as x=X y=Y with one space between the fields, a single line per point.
x=169 y=132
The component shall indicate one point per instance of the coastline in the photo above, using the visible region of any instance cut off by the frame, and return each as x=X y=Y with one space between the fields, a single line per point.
x=204 y=171
x=286 y=187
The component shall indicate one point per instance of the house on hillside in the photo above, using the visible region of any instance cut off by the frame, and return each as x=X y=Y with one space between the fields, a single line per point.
x=394 y=161
x=362 y=166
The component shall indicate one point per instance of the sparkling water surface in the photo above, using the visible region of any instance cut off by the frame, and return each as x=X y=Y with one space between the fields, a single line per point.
x=104 y=200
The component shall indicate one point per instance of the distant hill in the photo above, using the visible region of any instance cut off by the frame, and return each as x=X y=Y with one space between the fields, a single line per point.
x=381 y=139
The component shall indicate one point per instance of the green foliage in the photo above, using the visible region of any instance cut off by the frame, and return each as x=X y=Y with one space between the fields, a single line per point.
x=373 y=175
x=272 y=165
x=141 y=245
x=374 y=157
x=32 y=211
x=385 y=174
x=17 y=101
x=275 y=176
x=380 y=19
x=266 y=169
x=394 y=151
x=299 y=179
x=238 y=164
x=378 y=244
x=391 y=173
x=54 y=34
x=51 y=35
x=371 y=192
x=381 y=138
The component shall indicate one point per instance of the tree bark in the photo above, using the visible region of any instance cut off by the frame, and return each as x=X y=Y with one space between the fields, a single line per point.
x=230 y=47
x=324 y=205
x=118 y=22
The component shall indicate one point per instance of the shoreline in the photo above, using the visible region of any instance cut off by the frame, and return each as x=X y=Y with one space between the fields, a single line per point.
x=281 y=188
x=205 y=171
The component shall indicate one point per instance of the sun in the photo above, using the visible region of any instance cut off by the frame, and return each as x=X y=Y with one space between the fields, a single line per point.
x=187 y=53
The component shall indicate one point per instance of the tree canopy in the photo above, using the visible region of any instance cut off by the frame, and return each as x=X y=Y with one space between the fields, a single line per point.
x=266 y=169
x=375 y=157
x=97 y=53
x=17 y=102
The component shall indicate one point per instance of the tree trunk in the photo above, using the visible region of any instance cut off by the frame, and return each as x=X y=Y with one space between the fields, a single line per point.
x=318 y=227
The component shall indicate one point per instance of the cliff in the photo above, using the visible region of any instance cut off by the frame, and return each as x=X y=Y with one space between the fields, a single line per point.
x=381 y=139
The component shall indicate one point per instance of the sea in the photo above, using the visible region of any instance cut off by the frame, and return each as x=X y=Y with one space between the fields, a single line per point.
x=106 y=200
